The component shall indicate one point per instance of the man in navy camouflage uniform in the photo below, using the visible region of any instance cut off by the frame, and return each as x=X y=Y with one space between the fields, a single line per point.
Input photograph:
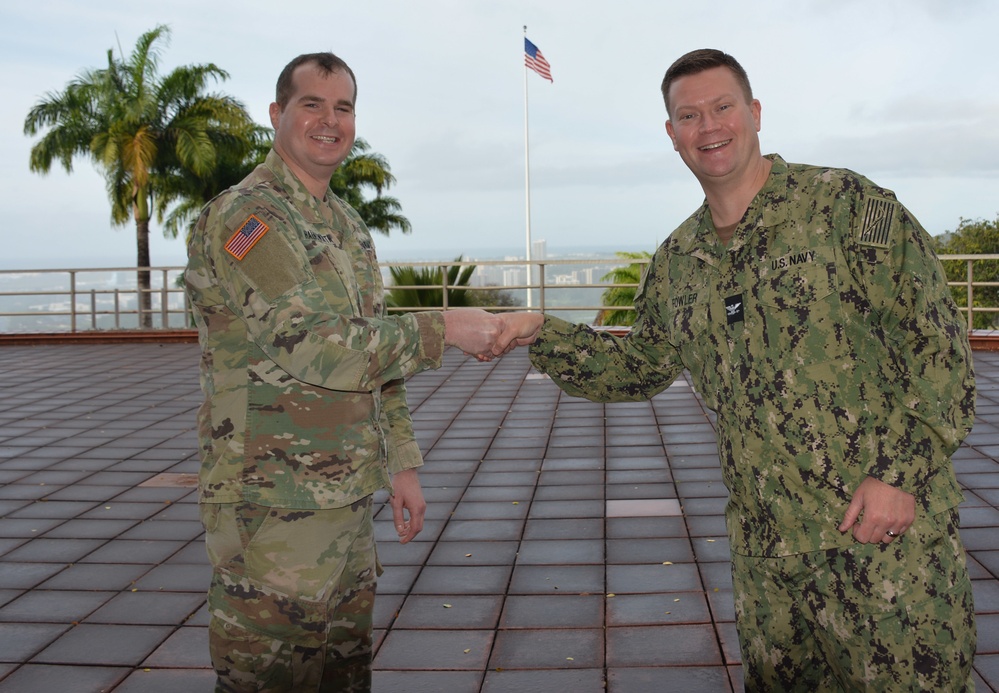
x=305 y=415
x=814 y=318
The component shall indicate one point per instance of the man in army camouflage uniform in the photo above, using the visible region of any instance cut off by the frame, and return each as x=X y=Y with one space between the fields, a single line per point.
x=816 y=321
x=305 y=415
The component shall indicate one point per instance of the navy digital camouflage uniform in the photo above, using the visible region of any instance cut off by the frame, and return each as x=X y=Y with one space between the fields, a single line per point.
x=305 y=416
x=826 y=339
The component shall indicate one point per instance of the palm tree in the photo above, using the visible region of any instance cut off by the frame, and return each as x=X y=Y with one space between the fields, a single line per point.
x=406 y=291
x=361 y=170
x=183 y=196
x=141 y=130
x=622 y=295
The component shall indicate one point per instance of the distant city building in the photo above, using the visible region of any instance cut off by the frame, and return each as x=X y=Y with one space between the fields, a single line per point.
x=487 y=275
x=539 y=250
x=513 y=276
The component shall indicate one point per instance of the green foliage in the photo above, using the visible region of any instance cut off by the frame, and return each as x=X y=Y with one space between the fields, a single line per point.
x=405 y=291
x=974 y=237
x=357 y=173
x=361 y=170
x=493 y=297
x=622 y=295
x=351 y=180
x=182 y=196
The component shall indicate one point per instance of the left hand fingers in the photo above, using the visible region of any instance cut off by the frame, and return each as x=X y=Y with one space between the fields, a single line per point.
x=891 y=535
x=398 y=515
x=875 y=533
x=406 y=528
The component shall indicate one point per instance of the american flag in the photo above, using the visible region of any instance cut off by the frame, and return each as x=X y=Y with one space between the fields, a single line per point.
x=246 y=237
x=534 y=60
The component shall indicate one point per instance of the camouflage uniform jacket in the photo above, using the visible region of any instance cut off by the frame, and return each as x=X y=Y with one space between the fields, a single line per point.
x=825 y=338
x=302 y=371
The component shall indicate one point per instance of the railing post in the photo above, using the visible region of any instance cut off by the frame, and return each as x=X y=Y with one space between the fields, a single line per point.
x=117 y=308
x=72 y=300
x=541 y=286
x=164 y=313
x=971 y=298
x=93 y=309
x=444 y=269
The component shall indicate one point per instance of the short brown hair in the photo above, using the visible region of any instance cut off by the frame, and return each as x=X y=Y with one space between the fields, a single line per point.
x=326 y=63
x=700 y=60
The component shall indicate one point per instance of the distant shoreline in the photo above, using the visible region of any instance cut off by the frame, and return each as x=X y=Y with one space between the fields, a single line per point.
x=496 y=253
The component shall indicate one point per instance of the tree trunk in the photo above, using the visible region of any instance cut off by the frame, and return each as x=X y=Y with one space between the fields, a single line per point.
x=142 y=275
x=140 y=209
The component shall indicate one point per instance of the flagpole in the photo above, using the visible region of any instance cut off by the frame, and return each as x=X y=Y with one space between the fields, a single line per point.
x=527 y=184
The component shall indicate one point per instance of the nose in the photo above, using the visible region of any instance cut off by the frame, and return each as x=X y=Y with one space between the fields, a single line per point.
x=329 y=116
x=708 y=122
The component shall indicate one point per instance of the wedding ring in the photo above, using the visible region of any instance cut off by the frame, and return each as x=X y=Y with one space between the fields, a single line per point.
x=891 y=533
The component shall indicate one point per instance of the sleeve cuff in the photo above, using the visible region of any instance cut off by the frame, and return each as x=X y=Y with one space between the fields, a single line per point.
x=431 y=326
x=405 y=456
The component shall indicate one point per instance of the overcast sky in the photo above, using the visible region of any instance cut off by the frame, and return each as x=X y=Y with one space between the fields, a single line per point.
x=904 y=91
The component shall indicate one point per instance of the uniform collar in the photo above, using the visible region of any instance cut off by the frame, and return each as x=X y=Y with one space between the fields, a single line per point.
x=314 y=211
x=767 y=209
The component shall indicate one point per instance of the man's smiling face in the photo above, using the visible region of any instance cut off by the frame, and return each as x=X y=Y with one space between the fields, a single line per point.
x=315 y=130
x=713 y=126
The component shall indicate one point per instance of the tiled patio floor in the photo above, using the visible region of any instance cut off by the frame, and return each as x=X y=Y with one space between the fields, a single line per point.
x=568 y=544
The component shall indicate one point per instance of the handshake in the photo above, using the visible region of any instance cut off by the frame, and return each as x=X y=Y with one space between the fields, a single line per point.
x=485 y=335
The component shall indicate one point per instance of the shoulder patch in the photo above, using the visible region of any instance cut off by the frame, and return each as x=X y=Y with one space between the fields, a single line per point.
x=246 y=237
x=876 y=222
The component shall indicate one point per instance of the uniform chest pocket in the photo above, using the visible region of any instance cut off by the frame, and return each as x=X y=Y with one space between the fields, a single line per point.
x=338 y=279
x=801 y=316
x=798 y=287
x=687 y=318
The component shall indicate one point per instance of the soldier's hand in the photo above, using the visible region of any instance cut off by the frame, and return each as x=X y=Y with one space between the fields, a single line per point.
x=519 y=329
x=472 y=330
x=878 y=512
x=407 y=496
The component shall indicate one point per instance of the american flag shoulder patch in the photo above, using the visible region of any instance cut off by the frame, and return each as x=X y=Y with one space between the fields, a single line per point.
x=246 y=237
x=876 y=222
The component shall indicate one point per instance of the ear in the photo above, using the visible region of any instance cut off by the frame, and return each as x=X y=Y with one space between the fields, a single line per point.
x=275 y=113
x=672 y=135
x=756 y=108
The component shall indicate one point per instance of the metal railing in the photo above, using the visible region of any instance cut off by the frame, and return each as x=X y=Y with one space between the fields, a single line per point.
x=969 y=285
x=99 y=298
x=546 y=294
x=108 y=298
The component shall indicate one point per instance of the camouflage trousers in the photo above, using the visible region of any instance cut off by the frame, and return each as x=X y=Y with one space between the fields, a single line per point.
x=869 y=617
x=291 y=597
